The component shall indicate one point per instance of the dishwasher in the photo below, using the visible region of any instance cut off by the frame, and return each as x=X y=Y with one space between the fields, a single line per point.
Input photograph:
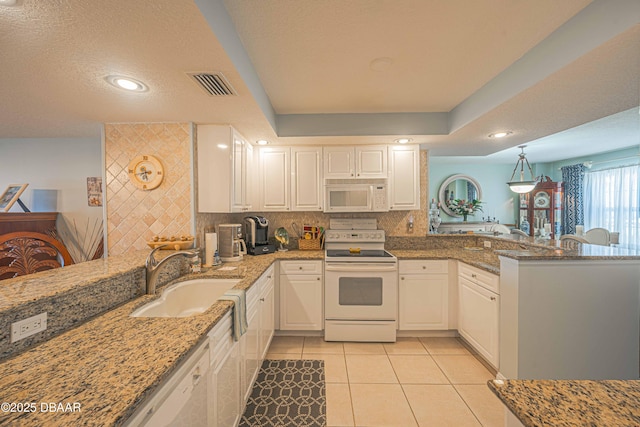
x=182 y=399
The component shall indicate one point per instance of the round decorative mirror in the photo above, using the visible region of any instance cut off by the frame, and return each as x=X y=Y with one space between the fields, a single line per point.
x=458 y=187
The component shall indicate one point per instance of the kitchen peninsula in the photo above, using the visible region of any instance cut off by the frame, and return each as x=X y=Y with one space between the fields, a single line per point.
x=111 y=362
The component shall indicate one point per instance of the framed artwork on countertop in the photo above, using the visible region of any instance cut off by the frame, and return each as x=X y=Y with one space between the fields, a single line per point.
x=94 y=191
x=10 y=196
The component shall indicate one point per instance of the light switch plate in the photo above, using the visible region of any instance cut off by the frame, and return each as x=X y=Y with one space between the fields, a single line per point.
x=27 y=327
x=487 y=243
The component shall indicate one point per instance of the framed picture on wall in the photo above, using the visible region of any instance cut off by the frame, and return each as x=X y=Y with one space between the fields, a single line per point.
x=94 y=191
x=10 y=196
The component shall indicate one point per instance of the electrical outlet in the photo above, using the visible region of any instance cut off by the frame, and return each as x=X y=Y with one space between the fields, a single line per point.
x=487 y=244
x=27 y=327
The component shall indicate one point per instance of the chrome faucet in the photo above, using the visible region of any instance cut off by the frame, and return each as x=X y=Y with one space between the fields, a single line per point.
x=153 y=266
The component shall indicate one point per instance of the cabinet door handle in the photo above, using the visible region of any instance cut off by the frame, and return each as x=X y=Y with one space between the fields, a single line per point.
x=300 y=268
x=402 y=278
x=196 y=379
x=424 y=267
x=317 y=278
x=261 y=299
x=493 y=298
x=474 y=276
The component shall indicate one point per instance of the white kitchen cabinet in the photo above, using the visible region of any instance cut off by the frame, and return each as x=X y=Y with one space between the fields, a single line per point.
x=306 y=179
x=423 y=295
x=301 y=296
x=243 y=181
x=480 y=277
x=267 y=315
x=224 y=407
x=225 y=168
x=255 y=342
x=274 y=178
x=250 y=343
x=404 y=177
x=367 y=161
x=479 y=311
x=290 y=179
x=182 y=399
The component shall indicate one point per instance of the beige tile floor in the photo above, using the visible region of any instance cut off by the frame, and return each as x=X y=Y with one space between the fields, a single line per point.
x=412 y=382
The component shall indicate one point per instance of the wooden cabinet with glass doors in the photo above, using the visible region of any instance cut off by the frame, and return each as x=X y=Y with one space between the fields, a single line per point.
x=542 y=206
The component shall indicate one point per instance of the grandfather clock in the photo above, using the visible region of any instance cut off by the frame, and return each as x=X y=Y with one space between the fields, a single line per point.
x=543 y=205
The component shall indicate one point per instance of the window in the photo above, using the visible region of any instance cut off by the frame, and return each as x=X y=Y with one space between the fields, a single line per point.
x=612 y=201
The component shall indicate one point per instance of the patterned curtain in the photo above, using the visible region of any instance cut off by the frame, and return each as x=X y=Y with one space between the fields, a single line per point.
x=573 y=214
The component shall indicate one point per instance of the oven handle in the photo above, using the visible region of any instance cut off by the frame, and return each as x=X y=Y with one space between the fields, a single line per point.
x=360 y=267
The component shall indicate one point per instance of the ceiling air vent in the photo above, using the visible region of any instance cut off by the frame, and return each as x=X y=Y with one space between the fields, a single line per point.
x=215 y=84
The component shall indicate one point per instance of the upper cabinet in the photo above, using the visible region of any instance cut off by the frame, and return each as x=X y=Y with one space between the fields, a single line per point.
x=290 y=179
x=404 y=177
x=225 y=165
x=367 y=161
x=232 y=178
x=274 y=178
x=306 y=179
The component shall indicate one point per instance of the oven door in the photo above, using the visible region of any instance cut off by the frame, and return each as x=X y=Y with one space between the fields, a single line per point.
x=361 y=291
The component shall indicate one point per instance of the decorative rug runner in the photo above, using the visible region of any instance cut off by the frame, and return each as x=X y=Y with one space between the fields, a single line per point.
x=287 y=393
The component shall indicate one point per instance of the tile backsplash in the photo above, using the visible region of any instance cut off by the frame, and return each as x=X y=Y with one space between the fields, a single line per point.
x=134 y=216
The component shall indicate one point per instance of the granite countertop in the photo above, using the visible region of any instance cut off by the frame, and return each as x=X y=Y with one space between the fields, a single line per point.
x=23 y=289
x=478 y=257
x=584 y=252
x=111 y=363
x=571 y=402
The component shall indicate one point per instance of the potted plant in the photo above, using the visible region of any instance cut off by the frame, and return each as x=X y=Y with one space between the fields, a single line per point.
x=465 y=207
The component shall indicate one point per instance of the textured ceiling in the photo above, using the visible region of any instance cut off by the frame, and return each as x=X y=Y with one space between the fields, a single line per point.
x=485 y=65
x=320 y=56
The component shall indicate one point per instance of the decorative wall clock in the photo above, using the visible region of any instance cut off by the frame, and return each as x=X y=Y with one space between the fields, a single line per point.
x=542 y=199
x=146 y=172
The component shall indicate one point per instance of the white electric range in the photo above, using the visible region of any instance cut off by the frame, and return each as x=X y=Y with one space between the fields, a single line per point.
x=361 y=283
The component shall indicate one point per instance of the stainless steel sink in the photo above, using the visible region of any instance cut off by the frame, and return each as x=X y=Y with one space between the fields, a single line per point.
x=186 y=298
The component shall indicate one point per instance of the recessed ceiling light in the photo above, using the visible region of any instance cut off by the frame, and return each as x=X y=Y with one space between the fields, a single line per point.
x=223 y=146
x=403 y=140
x=127 y=83
x=262 y=142
x=500 y=134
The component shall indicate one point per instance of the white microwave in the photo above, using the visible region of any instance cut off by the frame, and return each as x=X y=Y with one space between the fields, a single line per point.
x=356 y=197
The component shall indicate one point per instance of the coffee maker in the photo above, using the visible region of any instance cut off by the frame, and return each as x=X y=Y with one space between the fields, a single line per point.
x=256 y=231
x=231 y=247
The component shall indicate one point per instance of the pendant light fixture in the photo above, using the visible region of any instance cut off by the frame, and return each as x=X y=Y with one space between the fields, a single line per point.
x=522 y=186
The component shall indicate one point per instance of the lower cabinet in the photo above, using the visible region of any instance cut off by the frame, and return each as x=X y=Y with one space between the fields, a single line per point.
x=479 y=311
x=224 y=405
x=267 y=318
x=301 y=296
x=250 y=354
x=183 y=399
x=423 y=295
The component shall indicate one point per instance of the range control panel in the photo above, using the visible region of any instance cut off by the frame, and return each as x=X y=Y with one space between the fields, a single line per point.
x=373 y=236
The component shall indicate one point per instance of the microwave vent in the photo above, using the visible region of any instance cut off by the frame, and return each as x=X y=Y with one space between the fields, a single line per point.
x=215 y=84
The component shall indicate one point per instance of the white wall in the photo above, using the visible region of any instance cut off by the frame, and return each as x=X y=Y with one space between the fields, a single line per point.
x=62 y=164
